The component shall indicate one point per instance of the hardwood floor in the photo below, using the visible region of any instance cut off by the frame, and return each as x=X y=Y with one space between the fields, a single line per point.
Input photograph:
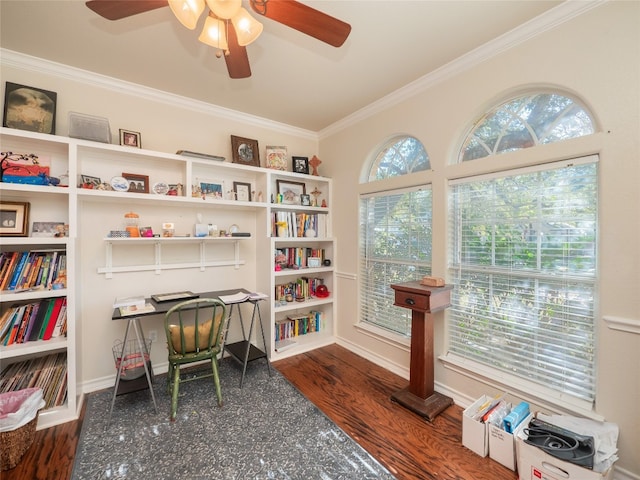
x=351 y=391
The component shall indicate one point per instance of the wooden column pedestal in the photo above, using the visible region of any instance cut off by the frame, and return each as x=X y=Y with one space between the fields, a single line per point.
x=419 y=396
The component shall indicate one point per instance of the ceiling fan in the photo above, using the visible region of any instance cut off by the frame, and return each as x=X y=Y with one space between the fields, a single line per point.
x=229 y=27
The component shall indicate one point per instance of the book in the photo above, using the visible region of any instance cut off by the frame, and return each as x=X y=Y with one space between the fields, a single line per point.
x=37 y=324
x=18 y=271
x=53 y=318
x=134 y=301
x=47 y=317
x=60 y=326
x=136 y=310
x=241 y=297
x=32 y=319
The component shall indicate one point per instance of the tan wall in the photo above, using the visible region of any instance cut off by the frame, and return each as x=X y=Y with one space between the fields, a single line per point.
x=596 y=57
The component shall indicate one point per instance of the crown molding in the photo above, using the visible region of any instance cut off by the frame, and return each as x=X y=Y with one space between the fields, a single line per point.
x=21 y=61
x=542 y=23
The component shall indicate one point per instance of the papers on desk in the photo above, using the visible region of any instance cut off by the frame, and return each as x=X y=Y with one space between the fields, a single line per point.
x=135 y=301
x=241 y=297
x=136 y=310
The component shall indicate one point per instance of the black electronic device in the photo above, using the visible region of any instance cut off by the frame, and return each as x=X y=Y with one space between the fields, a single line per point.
x=561 y=443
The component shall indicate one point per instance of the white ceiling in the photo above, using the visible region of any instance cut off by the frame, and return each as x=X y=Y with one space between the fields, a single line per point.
x=296 y=79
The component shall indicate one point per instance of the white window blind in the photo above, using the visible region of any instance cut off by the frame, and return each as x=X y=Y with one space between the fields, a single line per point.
x=395 y=246
x=523 y=262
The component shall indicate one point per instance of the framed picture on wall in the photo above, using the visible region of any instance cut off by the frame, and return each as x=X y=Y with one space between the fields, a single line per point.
x=29 y=108
x=245 y=151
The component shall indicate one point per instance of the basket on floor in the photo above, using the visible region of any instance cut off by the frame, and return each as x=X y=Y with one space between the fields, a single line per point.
x=15 y=443
x=131 y=358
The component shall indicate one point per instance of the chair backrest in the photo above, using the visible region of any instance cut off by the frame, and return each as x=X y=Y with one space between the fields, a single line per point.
x=195 y=326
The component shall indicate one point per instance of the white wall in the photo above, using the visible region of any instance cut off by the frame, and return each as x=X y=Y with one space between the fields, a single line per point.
x=596 y=57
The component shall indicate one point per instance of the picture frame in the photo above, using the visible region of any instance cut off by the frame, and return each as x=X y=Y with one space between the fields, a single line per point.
x=14 y=219
x=300 y=164
x=212 y=189
x=90 y=180
x=276 y=157
x=245 y=151
x=305 y=200
x=242 y=191
x=49 y=229
x=40 y=116
x=137 y=183
x=291 y=191
x=129 y=138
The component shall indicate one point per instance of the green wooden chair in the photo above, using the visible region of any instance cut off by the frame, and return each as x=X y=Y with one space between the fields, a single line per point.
x=194 y=330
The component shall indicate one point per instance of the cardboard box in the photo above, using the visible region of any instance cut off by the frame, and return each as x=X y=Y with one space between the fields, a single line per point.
x=535 y=464
x=502 y=445
x=474 y=432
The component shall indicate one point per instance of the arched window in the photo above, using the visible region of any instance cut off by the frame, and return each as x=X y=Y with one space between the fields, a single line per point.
x=395 y=234
x=399 y=156
x=523 y=254
x=525 y=122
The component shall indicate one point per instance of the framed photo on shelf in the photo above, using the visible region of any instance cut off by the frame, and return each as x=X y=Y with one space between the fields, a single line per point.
x=137 y=183
x=40 y=116
x=245 y=151
x=89 y=180
x=14 y=219
x=49 y=229
x=242 y=191
x=305 y=200
x=301 y=164
x=276 y=157
x=210 y=189
x=130 y=139
x=291 y=191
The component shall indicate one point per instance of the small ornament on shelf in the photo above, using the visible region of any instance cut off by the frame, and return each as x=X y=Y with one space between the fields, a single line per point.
x=316 y=193
x=314 y=163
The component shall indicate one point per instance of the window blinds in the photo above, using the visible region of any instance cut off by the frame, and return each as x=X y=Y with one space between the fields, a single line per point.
x=523 y=262
x=395 y=246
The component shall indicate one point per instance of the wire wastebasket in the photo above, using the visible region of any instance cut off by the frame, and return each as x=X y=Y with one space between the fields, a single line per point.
x=129 y=357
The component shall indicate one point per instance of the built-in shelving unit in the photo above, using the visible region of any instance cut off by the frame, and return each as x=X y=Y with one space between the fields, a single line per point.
x=46 y=204
x=75 y=160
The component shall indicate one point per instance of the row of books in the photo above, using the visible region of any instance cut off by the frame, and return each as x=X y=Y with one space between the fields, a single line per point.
x=48 y=372
x=298 y=256
x=292 y=224
x=41 y=320
x=296 y=325
x=31 y=269
x=302 y=288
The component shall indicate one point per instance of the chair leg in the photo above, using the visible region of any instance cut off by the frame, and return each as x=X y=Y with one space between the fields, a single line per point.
x=170 y=377
x=174 y=393
x=216 y=379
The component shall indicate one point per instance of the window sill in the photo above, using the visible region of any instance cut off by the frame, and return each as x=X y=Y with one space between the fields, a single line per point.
x=528 y=391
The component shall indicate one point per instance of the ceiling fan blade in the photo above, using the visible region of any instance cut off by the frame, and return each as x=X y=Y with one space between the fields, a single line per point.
x=117 y=9
x=237 y=60
x=304 y=19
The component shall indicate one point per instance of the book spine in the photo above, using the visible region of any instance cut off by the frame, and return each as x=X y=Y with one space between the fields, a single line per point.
x=18 y=271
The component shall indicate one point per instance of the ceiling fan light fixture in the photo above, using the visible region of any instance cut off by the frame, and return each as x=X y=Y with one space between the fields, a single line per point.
x=225 y=9
x=214 y=33
x=248 y=29
x=187 y=11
